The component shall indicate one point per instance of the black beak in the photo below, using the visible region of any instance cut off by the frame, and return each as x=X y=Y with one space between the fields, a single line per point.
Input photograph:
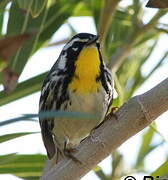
x=92 y=41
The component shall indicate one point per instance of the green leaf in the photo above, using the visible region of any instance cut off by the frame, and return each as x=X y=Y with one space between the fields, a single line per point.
x=25 y=4
x=81 y=10
x=50 y=114
x=160 y=62
x=94 y=7
x=142 y=55
x=1 y=21
x=117 y=165
x=23 y=166
x=3 y=65
x=8 y=137
x=46 y=24
x=136 y=7
x=25 y=23
x=161 y=171
x=145 y=146
x=37 y=7
x=3 y=3
x=33 y=6
x=24 y=88
x=146 y=37
x=56 y=17
x=10 y=121
x=6 y=158
x=120 y=29
x=99 y=172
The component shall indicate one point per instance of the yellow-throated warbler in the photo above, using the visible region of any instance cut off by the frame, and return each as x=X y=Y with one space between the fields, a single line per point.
x=79 y=81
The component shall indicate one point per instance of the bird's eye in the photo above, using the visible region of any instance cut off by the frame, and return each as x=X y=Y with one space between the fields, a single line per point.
x=77 y=46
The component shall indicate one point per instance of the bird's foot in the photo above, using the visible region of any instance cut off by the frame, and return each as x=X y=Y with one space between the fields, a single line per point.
x=68 y=153
x=112 y=113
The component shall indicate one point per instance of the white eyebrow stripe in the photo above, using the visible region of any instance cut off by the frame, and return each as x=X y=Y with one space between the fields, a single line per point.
x=72 y=41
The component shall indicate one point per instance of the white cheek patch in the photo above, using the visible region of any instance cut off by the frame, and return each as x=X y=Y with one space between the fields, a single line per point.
x=62 y=61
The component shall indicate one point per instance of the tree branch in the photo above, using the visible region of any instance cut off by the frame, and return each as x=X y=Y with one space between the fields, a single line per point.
x=132 y=117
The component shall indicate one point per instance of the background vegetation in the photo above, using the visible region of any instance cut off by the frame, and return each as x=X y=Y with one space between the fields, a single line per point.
x=127 y=44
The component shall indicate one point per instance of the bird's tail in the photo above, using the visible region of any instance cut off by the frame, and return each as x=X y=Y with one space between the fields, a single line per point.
x=51 y=162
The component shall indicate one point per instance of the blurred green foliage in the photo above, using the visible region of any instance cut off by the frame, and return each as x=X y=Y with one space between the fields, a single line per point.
x=127 y=45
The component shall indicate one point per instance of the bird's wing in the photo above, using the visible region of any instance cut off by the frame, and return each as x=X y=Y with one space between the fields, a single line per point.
x=47 y=138
x=46 y=124
x=51 y=99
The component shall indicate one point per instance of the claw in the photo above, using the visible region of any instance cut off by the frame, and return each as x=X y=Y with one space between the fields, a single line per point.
x=68 y=153
x=111 y=113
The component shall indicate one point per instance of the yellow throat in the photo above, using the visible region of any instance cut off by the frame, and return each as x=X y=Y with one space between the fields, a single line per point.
x=87 y=69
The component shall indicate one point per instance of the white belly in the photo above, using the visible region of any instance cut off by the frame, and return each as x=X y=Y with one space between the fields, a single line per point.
x=73 y=130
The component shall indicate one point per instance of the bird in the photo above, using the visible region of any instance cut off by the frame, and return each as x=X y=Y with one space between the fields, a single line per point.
x=79 y=81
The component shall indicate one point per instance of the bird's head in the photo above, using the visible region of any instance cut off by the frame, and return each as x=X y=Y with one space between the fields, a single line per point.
x=80 y=41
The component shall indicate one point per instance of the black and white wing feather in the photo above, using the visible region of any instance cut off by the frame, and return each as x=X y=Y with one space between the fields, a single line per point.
x=51 y=99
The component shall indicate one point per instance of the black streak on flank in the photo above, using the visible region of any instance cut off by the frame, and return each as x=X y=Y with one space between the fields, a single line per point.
x=103 y=74
x=98 y=78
